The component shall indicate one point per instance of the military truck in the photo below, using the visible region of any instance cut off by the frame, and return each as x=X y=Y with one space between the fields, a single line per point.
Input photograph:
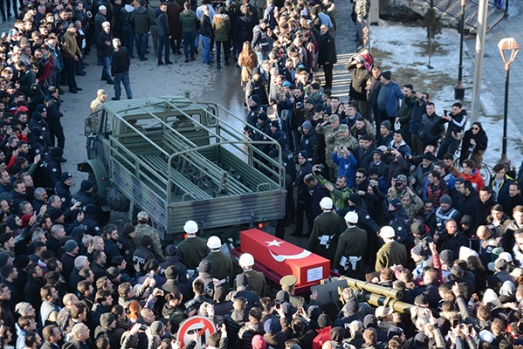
x=178 y=160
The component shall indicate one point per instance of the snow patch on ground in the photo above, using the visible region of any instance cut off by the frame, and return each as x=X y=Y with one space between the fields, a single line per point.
x=402 y=46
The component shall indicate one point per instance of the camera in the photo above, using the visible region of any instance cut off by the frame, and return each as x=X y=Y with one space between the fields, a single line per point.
x=277 y=303
x=399 y=183
x=299 y=105
x=319 y=169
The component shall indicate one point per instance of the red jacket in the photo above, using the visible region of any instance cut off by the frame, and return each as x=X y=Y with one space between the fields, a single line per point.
x=475 y=178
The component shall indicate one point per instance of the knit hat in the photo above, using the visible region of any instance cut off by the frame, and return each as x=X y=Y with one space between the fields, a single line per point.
x=263 y=116
x=387 y=75
x=86 y=185
x=445 y=199
x=303 y=154
x=70 y=245
x=54 y=213
x=386 y=124
x=55 y=153
x=128 y=229
x=90 y=209
x=355 y=198
x=309 y=101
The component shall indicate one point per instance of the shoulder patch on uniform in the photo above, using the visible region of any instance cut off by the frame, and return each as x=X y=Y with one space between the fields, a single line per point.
x=367 y=216
x=400 y=228
x=54 y=170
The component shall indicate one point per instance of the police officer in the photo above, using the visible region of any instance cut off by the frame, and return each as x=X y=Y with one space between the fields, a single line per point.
x=255 y=278
x=52 y=102
x=193 y=249
x=221 y=263
x=84 y=195
x=352 y=246
x=143 y=228
x=89 y=223
x=63 y=188
x=287 y=284
x=325 y=231
x=52 y=168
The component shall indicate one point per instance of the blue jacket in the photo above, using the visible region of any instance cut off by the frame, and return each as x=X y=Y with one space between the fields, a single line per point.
x=394 y=98
x=346 y=167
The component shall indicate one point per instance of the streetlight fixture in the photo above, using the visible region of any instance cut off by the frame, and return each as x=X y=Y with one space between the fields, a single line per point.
x=508 y=48
x=459 y=90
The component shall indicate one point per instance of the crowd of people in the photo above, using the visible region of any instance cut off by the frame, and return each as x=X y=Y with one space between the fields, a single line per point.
x=380 y=192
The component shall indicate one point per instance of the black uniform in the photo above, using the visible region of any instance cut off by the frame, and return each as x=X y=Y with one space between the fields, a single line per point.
x=53 y=120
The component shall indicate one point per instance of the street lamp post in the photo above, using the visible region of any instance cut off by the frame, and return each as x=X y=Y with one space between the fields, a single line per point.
x=459 y=90
x=508 y=48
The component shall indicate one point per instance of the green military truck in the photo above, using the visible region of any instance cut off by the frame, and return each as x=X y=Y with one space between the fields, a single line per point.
x=178 y=160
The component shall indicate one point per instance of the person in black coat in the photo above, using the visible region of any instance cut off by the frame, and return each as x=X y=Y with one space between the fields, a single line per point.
x=54 y=115
x=474 y=145
x=327 y=54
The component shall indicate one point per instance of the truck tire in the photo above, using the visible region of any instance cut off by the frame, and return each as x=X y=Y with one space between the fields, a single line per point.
x=117 y=201
x=102 y=216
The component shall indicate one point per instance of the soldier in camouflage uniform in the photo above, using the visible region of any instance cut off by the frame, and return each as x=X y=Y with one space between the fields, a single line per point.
x=328 y=129
x=398 y=187
x=343 y=138
x=96 y=109
x=143 y=228
x=411 y=203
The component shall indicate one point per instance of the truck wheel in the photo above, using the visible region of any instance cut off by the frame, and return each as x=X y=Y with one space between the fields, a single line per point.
x=116 y=200
x=101 y=216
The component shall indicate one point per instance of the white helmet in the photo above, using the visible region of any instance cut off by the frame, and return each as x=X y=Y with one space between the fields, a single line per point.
x=326 y=203
x=246 y=260
x=214 y=242
x=190 y=227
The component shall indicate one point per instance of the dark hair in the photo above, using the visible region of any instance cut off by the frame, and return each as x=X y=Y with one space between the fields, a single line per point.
x=409 y=86
x=436 y=174
x=458 y=104
x=486 y=189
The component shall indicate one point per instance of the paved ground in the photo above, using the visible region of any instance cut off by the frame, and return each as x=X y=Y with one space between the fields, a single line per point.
x=493 y=69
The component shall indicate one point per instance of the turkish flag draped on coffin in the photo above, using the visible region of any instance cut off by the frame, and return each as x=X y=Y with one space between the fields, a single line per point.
x=285 y=258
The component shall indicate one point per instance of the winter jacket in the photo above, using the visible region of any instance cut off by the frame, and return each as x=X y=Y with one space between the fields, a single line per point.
x=475 y=178
x=222 y=27
x=140 y=19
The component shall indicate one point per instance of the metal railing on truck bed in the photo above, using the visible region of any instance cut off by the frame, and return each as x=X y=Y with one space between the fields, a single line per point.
x=183 y=159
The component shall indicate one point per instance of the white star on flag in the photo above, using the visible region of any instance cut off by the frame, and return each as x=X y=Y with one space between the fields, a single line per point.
x=273 y=243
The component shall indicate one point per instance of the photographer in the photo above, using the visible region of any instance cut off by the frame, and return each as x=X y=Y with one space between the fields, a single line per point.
x=456 y=124
x=140 y=336
x=398 y=187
